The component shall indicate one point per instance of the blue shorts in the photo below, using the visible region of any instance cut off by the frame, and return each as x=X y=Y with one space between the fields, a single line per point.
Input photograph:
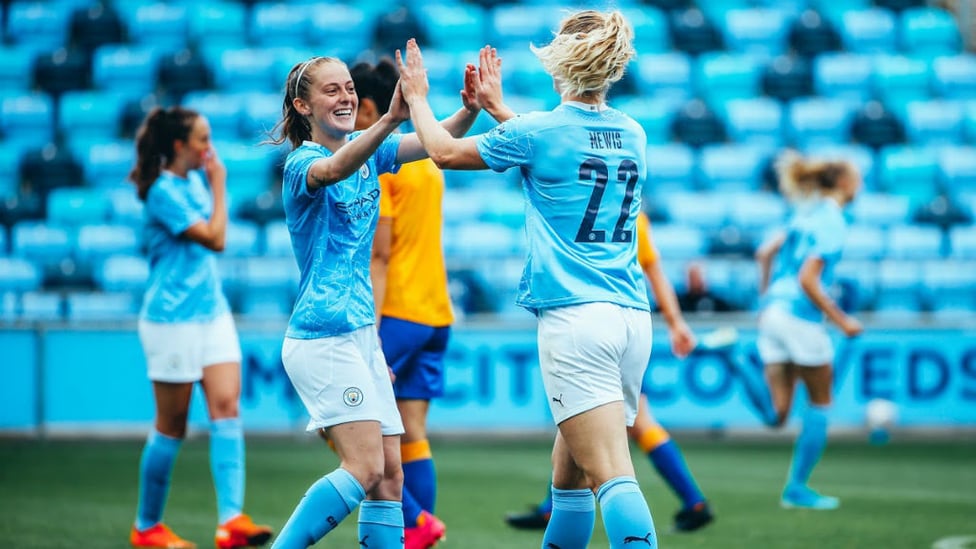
x=415 y=352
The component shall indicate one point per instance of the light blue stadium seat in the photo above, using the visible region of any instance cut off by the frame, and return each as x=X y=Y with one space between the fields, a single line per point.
x=97 y=242
x=259 y=114
x=834 y=11
x=505 y=206
x=870 y=30
x=41 y=242
x=949 y=287
x=650 y=29
x=962 y=242
x=268 y=286
x=72 y=206
x=523 y=73
x=515 y=26
x=161 y=25
x=126 y=208
x=41 y=306
x=861 y=156
x=10 y=153
x=461 y=205
x=863 y=275
x=970 y=121
x=864 y=242
x=929 y=32
x=3 y=241
x=246 y=70
x=899 y=287
x=277 y=240
x=707 y=211
x=342 y=30
x=843 y=75
x=90 y=116
x=222 y=23
x=9 y=306
x=759 y=32
x=40 y=26
x=731 y=167
x=480 y=240
x=819 y=121
x=914 y=242
x=899 y=79
x=654 y=114
x=934 y=122
x=107 y=165
x=19 y=275
x=665 y=75
x=908 y=171
x=16 y=64
x=679 y=242
x=122 y=273
x=881 y=210
x=756 y=121
x=248 y=168
x=954 y=77
x=715 y=10
x=28 y=118
x=100 y=306
x=125 y=69
x=223 y=111
x=670 y=167
x=754 y=211
x=453 y=26
x=720 y=76
x=957 y=168
x=242 y=239
x=278 y=24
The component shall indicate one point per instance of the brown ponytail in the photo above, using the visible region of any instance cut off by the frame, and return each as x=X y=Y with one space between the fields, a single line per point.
x=154 y=143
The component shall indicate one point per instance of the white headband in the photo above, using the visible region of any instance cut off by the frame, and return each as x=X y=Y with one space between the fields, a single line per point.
x=301 y=72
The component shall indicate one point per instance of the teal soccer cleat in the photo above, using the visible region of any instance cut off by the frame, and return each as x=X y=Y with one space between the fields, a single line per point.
x=797 y=496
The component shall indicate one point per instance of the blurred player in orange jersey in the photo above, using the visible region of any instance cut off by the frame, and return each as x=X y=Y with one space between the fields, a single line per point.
x=412 y=302
x=652 y=439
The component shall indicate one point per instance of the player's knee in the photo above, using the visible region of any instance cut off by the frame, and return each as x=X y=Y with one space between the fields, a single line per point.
x=224 y=407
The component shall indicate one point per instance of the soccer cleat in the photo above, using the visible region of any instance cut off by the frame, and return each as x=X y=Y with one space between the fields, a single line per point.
x=426 y=534
x=797 y=496
x=239 y=532
x=534 y=519
x=693 y=518
x=159 y=537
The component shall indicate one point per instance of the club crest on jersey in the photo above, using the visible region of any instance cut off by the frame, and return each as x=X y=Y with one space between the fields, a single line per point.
x=364 y=171
x=352 y=397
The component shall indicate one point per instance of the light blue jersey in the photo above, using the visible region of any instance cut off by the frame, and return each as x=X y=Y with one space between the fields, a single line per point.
x=332 y=235
x=183 y=282
x=816 y=230
x=582 y=170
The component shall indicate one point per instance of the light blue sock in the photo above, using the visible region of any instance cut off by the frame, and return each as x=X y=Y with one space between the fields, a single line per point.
x=809 y=445
x=155 y=468
x=325 y=504
x=380 y=524
x=227 y=466
x=626 y=517
x=571 y=523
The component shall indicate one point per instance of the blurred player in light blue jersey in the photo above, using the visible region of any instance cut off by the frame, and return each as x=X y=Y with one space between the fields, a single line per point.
x=793 y=340
x=582 y=166
x=331 y=352
x=185 y=326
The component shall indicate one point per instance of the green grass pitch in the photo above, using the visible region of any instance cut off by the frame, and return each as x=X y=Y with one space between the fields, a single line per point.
x=82 y=494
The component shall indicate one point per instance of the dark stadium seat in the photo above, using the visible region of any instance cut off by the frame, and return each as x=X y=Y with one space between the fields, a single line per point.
x=787 y=77
x=95 y=25
x=693 y=33
x=876 y=126
x=184 y=71
x=696 y=124
x=47 y=168
x=812 y=34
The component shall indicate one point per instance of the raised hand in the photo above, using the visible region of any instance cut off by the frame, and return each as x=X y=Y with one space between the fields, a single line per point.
x=214 y=169
x=413 y=74
x=489 y=81
x=399 y=109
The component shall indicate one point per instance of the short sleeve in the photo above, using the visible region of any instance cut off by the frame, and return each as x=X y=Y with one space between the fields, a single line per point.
x=172 y=207
x=386 y=154
x=829 y=236
x=506 y=145
x=297 y=165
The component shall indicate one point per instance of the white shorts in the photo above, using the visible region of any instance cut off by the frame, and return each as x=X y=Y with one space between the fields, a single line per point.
x=343 y=378
x=593 y=354
x=178 y=352
x=785 y=338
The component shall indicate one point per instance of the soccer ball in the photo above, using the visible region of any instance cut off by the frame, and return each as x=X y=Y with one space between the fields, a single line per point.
x=879 y=415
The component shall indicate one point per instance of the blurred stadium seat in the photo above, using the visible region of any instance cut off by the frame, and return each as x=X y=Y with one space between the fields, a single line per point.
x=869 y=30
x=928 y=32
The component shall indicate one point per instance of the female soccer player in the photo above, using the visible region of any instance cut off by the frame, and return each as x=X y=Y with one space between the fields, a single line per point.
x=653 y=440
x=412 y=300
x=185 y=326
x=793 y=341
x=331 y=352
x=582 y=166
